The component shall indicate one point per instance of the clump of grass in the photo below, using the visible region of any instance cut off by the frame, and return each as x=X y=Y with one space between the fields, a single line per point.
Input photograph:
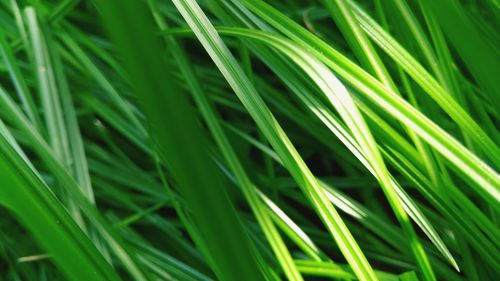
x=249 y=140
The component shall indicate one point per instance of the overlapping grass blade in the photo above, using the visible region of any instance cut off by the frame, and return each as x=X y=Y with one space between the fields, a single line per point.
x=477 y=53
x=396 y=99
x=68 y=183
x=209 y=38
x=428 y=83
x=369 y=219
x=28 y=197
x=182 y=145
x=19 y=82
x=485 y=180
x=249 y=189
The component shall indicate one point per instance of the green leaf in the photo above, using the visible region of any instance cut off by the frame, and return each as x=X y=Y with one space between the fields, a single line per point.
x=226 y=63
x=41 y=212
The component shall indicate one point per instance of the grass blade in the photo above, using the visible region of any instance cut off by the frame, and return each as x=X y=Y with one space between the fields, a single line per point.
x=182 y=145
x=264 y=119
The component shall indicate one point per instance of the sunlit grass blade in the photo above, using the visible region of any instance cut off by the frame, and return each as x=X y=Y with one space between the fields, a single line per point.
x=366 y=217
x=486 y=180
x=275 y=135
x=249 y=189
x=340 y=98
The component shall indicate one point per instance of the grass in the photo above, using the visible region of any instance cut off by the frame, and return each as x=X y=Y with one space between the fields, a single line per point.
x=249 y=140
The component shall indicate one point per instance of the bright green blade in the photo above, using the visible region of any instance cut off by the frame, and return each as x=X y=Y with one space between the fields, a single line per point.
x=258 y=110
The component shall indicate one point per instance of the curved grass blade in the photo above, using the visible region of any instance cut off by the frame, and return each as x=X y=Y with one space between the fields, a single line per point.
x=342 y=101
x=219 y=53
x=482 y=177
x=55 y=124
x=379 y=226
x=357 y=39
x=345 y=136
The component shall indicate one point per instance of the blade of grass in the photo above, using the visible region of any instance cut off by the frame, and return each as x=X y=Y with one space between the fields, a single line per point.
x=369 y=219
x=25 y=193
x=344 y=104
x=428 y=83
x=45 y=153
x=477 y=54
x=485 y=180
x=343 y=134
x=226 y=63
x=181 y=143
x=19 y=83
x=249 y=189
